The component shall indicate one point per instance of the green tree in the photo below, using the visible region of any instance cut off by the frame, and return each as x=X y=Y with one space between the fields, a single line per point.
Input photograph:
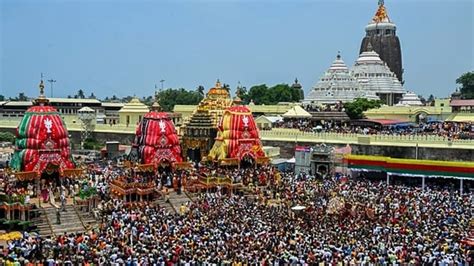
x=170 y=97
x=466 y=81
x=22 y=97
x=200 y=89
x=259 y=94
x=356 y=109
x=7 y=136
x=80 y=94
x=2 y=98
x=92 y=96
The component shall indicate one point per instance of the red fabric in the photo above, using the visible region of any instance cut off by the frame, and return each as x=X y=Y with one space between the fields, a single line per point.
x=37 y=155
x=157 y=140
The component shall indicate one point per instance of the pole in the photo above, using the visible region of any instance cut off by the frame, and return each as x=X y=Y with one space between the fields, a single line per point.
x=423 y=183
x=416 y=151
x=162 y=81
x=461 y=185
x=388 y=179
x=51 y=81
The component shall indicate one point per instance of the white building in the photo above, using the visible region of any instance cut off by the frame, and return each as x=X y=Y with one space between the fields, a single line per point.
x=375 y=76
x=337 y=85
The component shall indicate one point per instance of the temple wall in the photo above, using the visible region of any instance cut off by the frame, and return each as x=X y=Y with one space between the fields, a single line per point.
x=287 y=150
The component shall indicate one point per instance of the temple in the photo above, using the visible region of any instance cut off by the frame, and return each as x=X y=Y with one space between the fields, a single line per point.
x=337 y=85
x=374 y=75
x=156 y=142
x=381 y=35
x=238 y=141
x=199 y=131
x=410 y=99
x=42 y=146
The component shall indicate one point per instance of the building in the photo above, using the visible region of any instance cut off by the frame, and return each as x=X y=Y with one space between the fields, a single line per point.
x=381 y=36
x=439 y=112
x=375 y=76
x=111 y=112
x=337 y=85
x=297 y=86
x=463 y=110
x=410 y=99
x=132 y=113
x=199 y=130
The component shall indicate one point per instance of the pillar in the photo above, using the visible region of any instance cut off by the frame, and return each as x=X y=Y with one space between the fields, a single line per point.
x=423 y=183
x=461 y=183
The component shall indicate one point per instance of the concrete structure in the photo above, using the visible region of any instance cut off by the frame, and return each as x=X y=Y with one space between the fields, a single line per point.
x=375 y=76
x=132 y=113
x=337 y=85
x=463 y=110
x=266 y=122
x=381 y=35
x=439 y=112
x=106 y=113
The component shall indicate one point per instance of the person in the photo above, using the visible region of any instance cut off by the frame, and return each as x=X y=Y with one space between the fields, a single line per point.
x=58 y=216
x=63 y=199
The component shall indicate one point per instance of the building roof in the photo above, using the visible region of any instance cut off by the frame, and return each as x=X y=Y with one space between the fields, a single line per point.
x=271 y=119
x=109 y=104
x=297 y=112
x=460 y=102
x=134 y=106
x=73 y=100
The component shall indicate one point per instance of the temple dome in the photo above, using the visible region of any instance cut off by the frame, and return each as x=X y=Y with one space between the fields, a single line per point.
x=374 y=74
x=337 y=85
x=218 y=91
x=134 y=106
x=410 y=99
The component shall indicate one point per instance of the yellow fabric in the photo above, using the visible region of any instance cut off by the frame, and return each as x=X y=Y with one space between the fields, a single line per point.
x=410 y=161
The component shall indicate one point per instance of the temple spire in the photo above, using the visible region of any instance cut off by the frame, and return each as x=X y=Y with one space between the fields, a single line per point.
x=381 y=15
x=41 y=100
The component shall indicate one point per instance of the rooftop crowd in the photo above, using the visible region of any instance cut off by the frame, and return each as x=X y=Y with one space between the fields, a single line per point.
x=449 y=130
x=345 y=220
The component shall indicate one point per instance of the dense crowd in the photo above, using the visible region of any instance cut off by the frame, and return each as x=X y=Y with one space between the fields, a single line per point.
x=449 y=130
x=341 y=220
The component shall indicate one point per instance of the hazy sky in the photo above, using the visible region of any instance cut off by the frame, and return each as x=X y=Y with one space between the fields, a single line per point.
x=126 y=47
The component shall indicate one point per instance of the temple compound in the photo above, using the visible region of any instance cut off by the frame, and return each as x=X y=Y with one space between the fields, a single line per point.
x=200 y=130
x=381 y=37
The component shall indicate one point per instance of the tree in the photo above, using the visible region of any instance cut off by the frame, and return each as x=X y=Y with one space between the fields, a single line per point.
x=22 y=97
x=259 y=94
x=2 y=98
x=80 y=94
x=356 y=109
x=200 y=89
x=431 y=100
x=92 y=96
x=7 y=136
x=69 y=97
x=170 y=97
x=422 y=99
x=466 y=81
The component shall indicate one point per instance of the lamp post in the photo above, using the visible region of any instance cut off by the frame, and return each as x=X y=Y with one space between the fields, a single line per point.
x=51 y=81
x=162 y=82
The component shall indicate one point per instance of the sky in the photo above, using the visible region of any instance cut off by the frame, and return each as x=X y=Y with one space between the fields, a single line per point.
x=126 y=47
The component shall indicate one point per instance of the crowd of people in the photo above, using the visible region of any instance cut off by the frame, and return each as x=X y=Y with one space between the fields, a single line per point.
x=449 y=130
x=338 y=220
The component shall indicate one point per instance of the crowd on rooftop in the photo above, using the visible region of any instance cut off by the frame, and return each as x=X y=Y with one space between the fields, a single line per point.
x=449 y=130
x=343 y=220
